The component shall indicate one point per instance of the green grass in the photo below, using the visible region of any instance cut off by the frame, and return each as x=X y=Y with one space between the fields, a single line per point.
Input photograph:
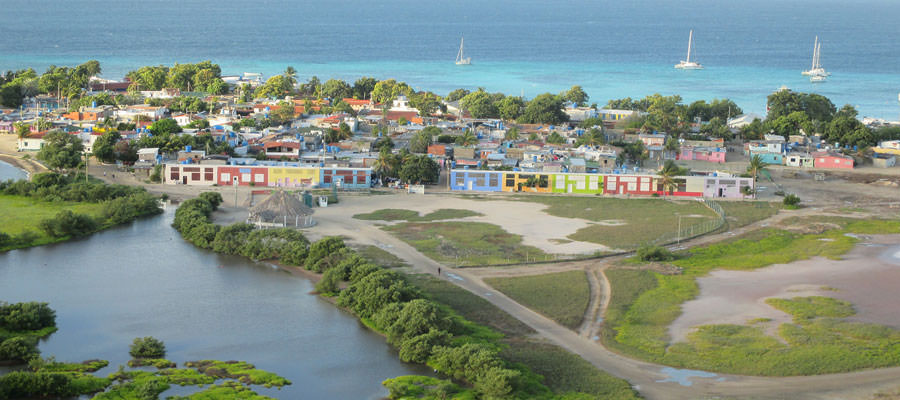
x=466 y=243
x=565 y=372
x=379 y=256
x=159 y=363
x=806 y=308
x=642 y=310
x=469 y=306
x=225 y=390
x=643 y=219
x=562 y=297
x=240 y=370
x=393 y=214
x=742 y=213
x=426 y=388
x=24 y=214
x=52 y=365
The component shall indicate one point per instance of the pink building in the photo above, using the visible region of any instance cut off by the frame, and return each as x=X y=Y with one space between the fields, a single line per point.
x=710 y=154
x=824 y=159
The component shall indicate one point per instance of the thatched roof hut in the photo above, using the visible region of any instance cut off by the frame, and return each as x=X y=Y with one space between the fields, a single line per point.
x=281 y=209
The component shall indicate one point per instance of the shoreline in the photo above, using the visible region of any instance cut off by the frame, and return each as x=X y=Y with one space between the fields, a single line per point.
x=30 y=167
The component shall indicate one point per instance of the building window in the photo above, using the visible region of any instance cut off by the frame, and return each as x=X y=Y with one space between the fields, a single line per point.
x=259 y=178
x=226 y=177
x=494 y=180
x=245 y=177
x=458 y=179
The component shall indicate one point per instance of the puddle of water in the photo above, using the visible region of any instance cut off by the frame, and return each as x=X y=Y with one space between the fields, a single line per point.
x=683 y=376
x=455 y=276
x=488 y=294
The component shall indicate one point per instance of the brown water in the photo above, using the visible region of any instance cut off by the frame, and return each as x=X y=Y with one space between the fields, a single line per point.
x=141 y=279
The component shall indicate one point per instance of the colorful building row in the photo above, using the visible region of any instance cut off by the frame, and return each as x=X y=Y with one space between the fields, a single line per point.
x=267 y=176
x=564 y=182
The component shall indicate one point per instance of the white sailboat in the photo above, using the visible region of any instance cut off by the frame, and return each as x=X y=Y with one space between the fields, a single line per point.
x=688 y=64
x=460 y=58
x=816 y=73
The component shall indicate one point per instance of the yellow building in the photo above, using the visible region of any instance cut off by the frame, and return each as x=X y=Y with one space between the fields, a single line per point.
x=293 y=177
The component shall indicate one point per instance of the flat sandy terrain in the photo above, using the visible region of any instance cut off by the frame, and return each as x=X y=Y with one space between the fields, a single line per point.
x=523 y=218
x=867 y=277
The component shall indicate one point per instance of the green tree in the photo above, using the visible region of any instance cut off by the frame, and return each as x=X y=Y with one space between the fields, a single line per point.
x=546 y=109
x=467 y=139
x=479 y=104
x=426 y=103
x=67 y=223
x=555 y=138
x=61 y=151
x=575 y=95
x=147 y=347
x=22 y=129
x=165 y=126
x=667 y=176
x=457 y=94
x=104 y=146
x=275 y=87
x=511 y=134
x=510 y=108
x=290 y=74
x=755 y=167
x=420 y=141
x=593 y=137
x=336 y=89
x=387 y=165
x=363 y=87
x=419 y=169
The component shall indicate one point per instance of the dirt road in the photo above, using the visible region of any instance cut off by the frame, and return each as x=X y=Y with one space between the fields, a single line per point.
x=653 y=381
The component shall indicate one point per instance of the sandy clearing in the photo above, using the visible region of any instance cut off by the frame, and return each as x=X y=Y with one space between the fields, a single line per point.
x=527 y=219
x=867 y=277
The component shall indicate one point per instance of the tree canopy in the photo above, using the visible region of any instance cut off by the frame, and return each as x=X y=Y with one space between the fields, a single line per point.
x=61 y=151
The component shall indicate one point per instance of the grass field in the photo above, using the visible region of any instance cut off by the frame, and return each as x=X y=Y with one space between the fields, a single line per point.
x=466 y=243
x=623 y=223
x=394 y=214
x=23 y=214
x=379 y=256
x=563 y=372
x=562 y=297
x=742 y=213
x=566 y=372
x=644 y=304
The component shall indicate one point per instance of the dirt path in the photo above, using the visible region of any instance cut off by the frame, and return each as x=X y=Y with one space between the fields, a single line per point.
x=653 y=381
x=595 y=309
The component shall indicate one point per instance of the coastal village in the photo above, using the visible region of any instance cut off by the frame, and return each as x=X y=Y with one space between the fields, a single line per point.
x=315 y=141
x=542 y=248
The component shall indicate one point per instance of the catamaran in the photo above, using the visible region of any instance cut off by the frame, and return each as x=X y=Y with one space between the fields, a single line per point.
x=460 y=58
x=688 y=64
x=816 y=72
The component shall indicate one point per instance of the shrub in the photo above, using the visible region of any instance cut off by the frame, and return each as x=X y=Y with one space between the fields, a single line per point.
x=147 y=347
x=791 y=201
x=156 y=175
x=213 y=198
x=29 y=316
x=20 y=348
x=5 y=239
x=654 y=253
x=67 y=223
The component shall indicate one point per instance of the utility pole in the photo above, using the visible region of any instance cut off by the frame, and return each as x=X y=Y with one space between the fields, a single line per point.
x=679 y=230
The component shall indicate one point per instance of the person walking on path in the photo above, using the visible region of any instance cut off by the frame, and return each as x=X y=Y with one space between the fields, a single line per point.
x=439 y=271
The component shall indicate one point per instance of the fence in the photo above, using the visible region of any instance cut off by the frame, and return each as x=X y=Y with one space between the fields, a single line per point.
x=697 y=229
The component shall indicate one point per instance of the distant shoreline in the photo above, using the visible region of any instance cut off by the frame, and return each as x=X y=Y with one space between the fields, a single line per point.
x=29 y=166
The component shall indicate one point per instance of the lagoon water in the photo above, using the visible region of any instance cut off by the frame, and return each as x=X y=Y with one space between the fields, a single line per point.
x=612 y=48
x=141 y=279
x=7 y=171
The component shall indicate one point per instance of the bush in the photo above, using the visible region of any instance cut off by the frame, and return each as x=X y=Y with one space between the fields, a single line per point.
x=213 y=198
x=67 y=223
x=147 y=347
x=791 y=201
x=19 y=349
x=29 y=316
x=156 y=175
x=654 y=253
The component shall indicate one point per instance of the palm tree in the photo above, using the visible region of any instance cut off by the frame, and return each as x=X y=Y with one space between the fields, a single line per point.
x=291 y=74
x=22 y=130
x=593 y=137
x=467 y=139
x=756 y=166
x=384 y=164
x=672 y=145
x=667 y=176
x=512 y=134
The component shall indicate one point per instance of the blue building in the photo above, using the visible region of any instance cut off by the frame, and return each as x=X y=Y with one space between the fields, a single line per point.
x=481 y=181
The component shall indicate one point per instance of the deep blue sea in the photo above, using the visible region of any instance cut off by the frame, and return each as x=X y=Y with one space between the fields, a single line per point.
x=612 y=48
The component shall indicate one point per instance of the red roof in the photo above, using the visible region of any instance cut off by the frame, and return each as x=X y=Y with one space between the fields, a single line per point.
x=290 y=145
x=356 y=102
x=395 y=115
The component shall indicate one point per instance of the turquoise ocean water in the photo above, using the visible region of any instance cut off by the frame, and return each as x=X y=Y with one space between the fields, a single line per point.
x=612 y=48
